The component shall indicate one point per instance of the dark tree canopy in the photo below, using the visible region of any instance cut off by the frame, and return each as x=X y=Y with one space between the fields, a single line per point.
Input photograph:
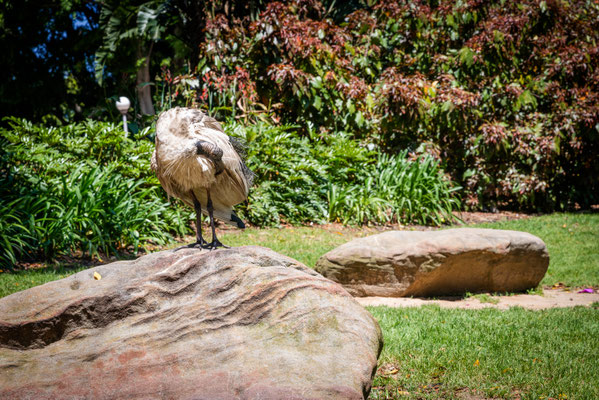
x=48 y=49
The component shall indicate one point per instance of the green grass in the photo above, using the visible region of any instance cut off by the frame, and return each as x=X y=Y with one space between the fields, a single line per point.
x=573 y=244
x=305 y=244
x=573 y=249
x=483 y=297
x=521 y=354
x=11 y=282
x=438 y=353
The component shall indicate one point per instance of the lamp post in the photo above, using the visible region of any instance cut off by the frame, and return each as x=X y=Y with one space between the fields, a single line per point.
x=123 y=105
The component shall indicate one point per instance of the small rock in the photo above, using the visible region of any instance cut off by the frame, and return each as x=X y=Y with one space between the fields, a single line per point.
x=433 y=263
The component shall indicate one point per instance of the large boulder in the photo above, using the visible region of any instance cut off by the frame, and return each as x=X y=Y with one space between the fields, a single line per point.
x=432 y=263
x=242 y=323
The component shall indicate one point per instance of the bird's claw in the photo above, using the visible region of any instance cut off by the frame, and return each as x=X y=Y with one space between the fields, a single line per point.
x=215 y=245
x=199 y=245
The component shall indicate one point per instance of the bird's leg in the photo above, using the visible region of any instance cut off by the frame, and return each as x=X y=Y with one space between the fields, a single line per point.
x=215 y=242
x=198 y=209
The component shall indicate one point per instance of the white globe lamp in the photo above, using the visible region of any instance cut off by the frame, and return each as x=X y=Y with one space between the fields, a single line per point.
x=123 y=105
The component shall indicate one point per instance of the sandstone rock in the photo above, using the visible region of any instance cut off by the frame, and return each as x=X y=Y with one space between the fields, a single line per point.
x=242 y=323
x=432 y=263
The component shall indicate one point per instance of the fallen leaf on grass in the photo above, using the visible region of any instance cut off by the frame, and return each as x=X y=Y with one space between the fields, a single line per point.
x=558 y=285
x=97 y=276
x=476 y=363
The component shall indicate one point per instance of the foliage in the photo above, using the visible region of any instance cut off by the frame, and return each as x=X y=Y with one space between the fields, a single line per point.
x=396 y=189
x=96 y=210
x=333 y=178
x=79 y=187
x=142 y=38
x=88 y=187
x=56 y=149
x=46 y=65
x=504 y=93
x=125 y=25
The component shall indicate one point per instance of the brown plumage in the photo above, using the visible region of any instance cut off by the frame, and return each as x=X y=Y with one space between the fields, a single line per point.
x=198 y=163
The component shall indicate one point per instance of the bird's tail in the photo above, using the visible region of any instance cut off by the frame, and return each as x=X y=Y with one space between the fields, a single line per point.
x=228 y=216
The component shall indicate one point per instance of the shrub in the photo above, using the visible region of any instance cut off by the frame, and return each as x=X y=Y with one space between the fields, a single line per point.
x=395 y=189
x=505 y=93
x=78 y=187
x=88 y=211
x=292 y=173
x=333 y=178
x=57 y=149
x=86 y=187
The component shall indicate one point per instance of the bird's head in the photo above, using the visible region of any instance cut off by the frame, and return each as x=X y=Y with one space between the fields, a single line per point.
x=209 y=150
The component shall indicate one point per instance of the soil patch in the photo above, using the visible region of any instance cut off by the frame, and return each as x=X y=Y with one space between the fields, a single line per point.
x=485 y=217
x=551 y=298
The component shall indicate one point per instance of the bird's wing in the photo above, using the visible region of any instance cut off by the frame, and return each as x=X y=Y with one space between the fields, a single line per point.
x=236 y=166
x=231 y=186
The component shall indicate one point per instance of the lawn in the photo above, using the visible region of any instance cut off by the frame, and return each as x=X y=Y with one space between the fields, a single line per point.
x=438 y=353
x=11 y=282
x=305 y=244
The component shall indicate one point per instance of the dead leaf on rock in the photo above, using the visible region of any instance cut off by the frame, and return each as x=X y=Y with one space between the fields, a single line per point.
x=97 y=276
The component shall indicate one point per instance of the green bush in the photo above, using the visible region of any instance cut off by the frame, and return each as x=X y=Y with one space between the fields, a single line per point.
x=503 y=92
x=90 y=211
x=58 y=149
x=86 y=187
x=395 y=189
x=332 y=178
x=79 y=187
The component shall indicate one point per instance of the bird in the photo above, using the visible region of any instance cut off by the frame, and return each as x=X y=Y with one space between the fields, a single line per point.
x=197 y=162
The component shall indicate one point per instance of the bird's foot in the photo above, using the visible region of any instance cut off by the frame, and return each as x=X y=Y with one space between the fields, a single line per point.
x=215 y=245
x=200 y=244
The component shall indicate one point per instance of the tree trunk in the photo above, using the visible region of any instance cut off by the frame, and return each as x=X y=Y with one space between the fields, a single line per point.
x=144 y=94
